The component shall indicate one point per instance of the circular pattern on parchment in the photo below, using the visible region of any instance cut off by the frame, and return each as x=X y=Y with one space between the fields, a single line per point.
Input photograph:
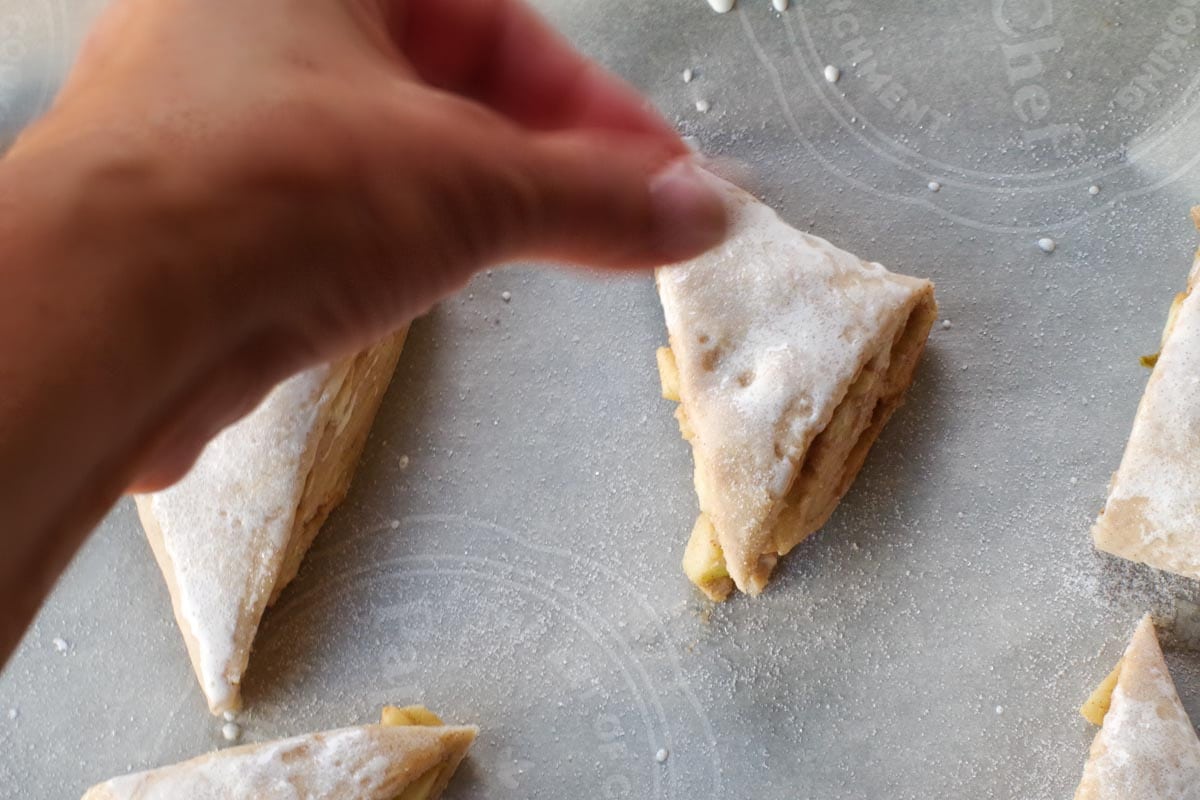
x=484 y=626
x=1013 y=106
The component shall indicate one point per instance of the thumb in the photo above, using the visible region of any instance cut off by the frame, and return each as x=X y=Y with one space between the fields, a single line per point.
x=612 y=201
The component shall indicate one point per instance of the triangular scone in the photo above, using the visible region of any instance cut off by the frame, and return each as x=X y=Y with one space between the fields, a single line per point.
x=231 y=534
x=787 y=356
x=1152 y=514
x=1147 y=748
x=405 y=761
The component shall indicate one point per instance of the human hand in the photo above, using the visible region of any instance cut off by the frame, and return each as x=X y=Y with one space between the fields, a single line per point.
x=226 y=192
x=301 y=177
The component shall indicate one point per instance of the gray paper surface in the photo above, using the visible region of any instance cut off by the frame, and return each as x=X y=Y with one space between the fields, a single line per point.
x=509 y=554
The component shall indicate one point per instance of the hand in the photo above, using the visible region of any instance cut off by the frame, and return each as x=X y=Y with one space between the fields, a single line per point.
x=323 y=171
x=228 y=191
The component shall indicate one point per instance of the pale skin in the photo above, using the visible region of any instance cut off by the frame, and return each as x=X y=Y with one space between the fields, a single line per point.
x=226 y=192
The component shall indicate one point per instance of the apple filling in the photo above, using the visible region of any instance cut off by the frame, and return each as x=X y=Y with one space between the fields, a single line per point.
x=1098 y=702
x=1151 y=361
x=704 y=562
x=422 y=788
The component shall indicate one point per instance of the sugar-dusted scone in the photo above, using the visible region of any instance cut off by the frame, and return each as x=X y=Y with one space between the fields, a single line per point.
x=1152 y=514
x=410 y=756
x=231 y=534
x=787 y=356
x=1147 y=748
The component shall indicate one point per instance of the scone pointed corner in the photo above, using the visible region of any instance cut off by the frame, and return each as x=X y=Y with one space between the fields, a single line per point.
x=232 y=533
x=408 y=760
x=1146 y=748
x=787 y=356
x=454 y=740
x=1152 y=512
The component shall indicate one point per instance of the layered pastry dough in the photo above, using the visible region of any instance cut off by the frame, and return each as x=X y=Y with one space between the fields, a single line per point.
x=1147 y=748
x=231 y=534
x=1152 y=514
x=411 y=755
x=787 y=356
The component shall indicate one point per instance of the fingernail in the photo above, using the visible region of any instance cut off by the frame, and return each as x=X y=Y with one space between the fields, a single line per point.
x=688 y=213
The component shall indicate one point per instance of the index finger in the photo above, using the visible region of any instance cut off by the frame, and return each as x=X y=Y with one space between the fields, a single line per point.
x=501 y=53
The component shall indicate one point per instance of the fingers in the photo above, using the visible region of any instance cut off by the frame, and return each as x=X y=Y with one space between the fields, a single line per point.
x=502 y=54
x=612 y=202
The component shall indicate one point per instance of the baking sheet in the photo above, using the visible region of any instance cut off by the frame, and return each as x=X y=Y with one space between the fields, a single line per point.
x=510 y=552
